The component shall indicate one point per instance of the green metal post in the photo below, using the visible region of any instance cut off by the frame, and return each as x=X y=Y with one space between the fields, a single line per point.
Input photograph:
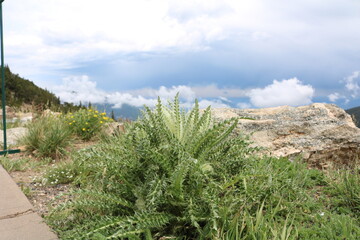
x=3 y=77
x=5 y=151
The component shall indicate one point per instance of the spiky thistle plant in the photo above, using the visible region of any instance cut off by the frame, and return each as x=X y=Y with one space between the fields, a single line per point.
x=176 y=174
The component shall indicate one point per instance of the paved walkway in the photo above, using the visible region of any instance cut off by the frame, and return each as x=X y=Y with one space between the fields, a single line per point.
x=18 y=220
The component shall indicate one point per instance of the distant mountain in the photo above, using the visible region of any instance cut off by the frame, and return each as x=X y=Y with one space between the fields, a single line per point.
x=125 y=112
x=355 y=113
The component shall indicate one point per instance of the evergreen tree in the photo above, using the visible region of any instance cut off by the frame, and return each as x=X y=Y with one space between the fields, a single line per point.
x=113 y=115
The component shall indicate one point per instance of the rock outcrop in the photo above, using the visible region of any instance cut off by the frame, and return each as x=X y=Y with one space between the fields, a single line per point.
x=323 y=134
x=13 y=135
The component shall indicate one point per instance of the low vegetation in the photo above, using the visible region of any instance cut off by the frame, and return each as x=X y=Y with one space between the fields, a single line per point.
x=86 y=123
x=176 y=174
x=47 y=136
x=12 y=165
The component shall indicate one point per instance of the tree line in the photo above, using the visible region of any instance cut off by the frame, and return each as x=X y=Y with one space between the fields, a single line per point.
x=20 y=91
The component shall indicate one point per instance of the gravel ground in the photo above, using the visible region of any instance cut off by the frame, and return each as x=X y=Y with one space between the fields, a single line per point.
x=41 y=197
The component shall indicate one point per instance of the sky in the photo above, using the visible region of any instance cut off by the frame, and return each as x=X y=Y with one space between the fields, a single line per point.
x=226 y=53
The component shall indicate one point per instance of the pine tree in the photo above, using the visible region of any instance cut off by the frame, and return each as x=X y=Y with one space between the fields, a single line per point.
x=113 y=115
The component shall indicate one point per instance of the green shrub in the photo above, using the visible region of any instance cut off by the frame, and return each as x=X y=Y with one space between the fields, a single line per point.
x=87 y=123
x=47 y=136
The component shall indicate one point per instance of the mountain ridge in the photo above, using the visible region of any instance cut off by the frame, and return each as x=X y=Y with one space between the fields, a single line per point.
x=355 y=114
x=21 y=91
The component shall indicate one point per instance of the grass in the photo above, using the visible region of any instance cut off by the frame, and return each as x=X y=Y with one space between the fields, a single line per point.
x=12 y=165
x=275 y=199
x=27 y=190
x=345 y=192
x=23 y=164
x=47 y=136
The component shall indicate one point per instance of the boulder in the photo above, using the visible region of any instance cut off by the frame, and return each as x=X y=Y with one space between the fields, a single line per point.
x=48 y=112
x=323 y=134
x=114 y=128
x=13 y=135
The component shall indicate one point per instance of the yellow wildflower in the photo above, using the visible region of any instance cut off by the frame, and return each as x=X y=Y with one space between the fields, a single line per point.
x=95 y=115
x=84 y=129
x=96 y=111
x=103 y=114
x=105 y=118
x=87 y=123
x=101 y=122
x=70 y=123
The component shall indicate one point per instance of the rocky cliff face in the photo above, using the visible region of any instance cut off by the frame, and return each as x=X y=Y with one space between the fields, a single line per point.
x=323 y=134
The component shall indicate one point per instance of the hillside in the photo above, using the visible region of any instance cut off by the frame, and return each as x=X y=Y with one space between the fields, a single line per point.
x=355 y=113
x=20 y=91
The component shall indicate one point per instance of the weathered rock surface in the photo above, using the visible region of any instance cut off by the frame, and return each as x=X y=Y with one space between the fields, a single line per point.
x=13 y=135
x=323 y=134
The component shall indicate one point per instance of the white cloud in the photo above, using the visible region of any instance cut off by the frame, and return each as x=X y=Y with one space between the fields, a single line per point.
x=333 y=97
x=118 y=99
x=224 y=99
x=351 y=89
x=352 y=85
x=213 y=103
x=65 y=33
x=286 y=92
x=78 y=89
x=207 y=91
x=243 y=105
x=212 y=91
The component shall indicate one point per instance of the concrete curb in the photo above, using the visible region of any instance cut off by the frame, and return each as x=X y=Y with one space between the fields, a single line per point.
x=18 y=220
